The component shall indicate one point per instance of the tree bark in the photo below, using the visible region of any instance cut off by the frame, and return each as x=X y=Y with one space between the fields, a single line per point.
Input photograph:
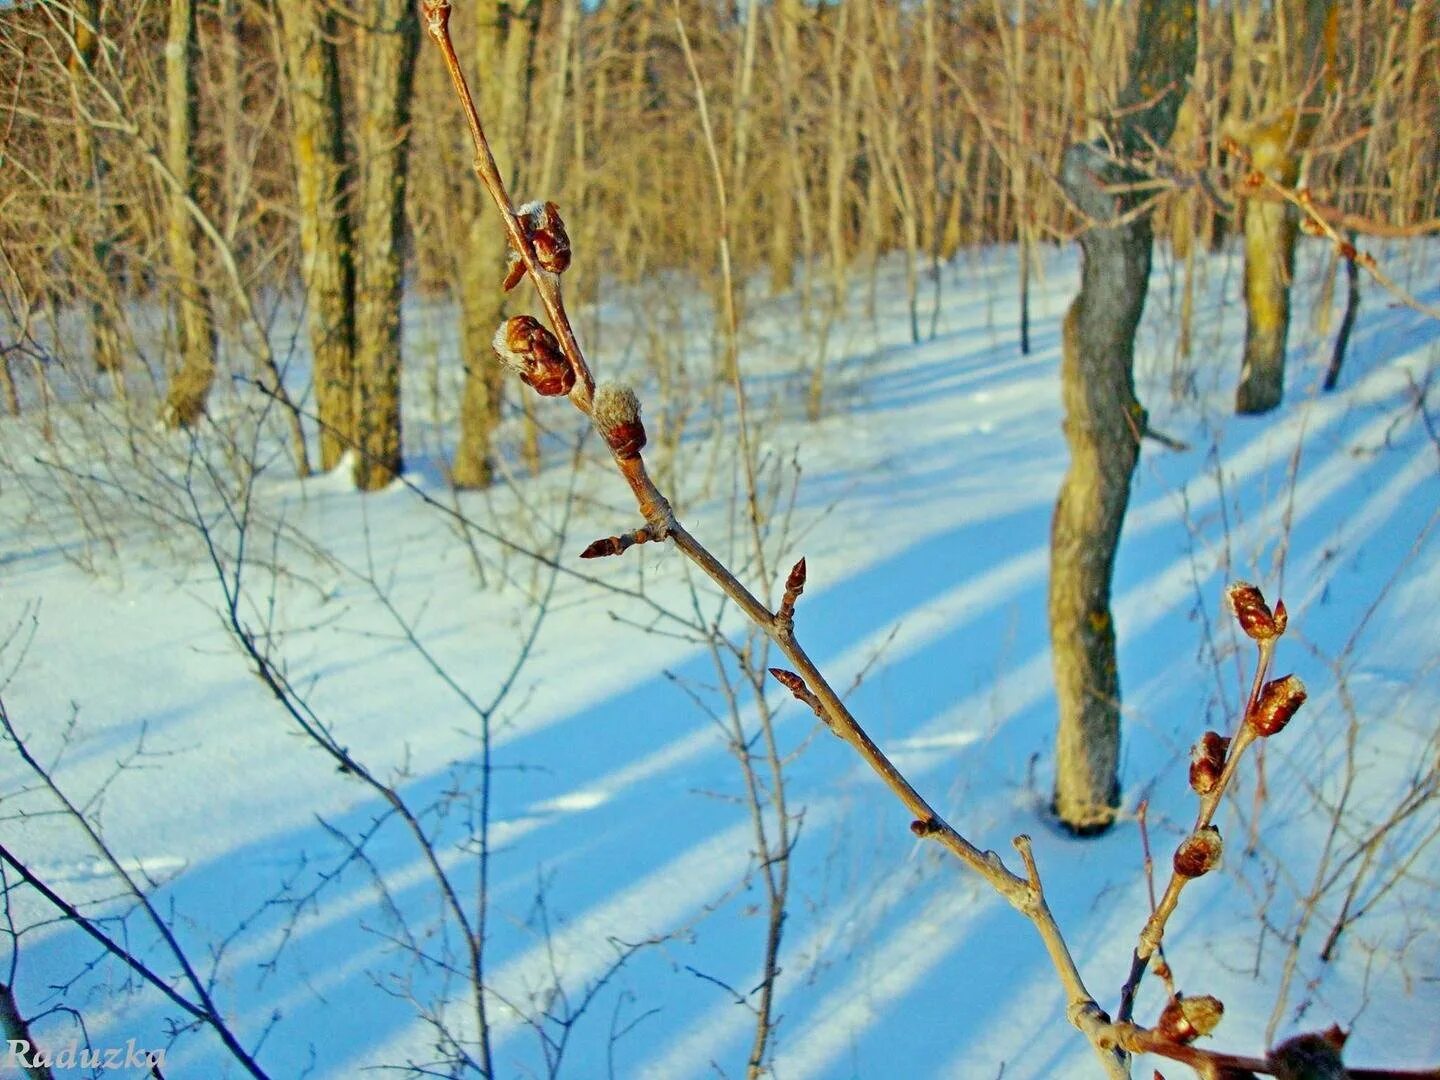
x=105 y=335
x=506 y=49
x=308 y=31
x=1104 y=421
x=193 y=375
x=389 y=43
x=1276 y=145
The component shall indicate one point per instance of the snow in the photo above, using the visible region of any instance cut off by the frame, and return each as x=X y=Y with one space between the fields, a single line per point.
x=617 y=827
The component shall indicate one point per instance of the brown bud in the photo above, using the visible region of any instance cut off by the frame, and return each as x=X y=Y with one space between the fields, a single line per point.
x=541 y=223
x=533 y=353
x=790 y=681
x=1183 y=1020
x=616 y=411
x=1198 y=853
x=1279 y=700
x=547 y=232
x=923 y=827
x=514 y=270
x=606 y=545
x=1252 y=612
x=794 y=586
x=1207 y=761
x=795 y=582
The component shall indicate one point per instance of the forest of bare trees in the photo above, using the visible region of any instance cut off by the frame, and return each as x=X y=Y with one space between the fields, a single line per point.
x=207 y=157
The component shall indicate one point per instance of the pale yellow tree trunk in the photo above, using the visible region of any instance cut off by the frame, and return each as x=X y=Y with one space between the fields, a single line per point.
x=308 y=33
x=505 y=53
x=389 y=41
x=191 y=379
x=792 y=199
x=1276 y=144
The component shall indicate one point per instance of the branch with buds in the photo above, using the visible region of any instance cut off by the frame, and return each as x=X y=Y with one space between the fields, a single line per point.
x=549 y=360
x=1316 y=219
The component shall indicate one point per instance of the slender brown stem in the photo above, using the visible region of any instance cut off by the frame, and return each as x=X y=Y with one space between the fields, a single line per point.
x=1024 y=894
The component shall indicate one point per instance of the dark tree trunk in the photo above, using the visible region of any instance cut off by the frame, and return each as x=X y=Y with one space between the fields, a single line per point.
x=1347 y=323
x=1104 y=421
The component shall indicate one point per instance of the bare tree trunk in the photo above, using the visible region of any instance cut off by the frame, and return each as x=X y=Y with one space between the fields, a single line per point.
x=193 y=376
x=388 y=46
x=506 y=48
x=790 y=184
x=1012 y=44
x=1271 y=227
x=1270 y=231
x=105 y=336
x=308 y=29
x=1104 y=421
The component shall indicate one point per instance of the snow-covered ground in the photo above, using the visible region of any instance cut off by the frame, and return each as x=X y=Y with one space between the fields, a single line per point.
x=617 y=825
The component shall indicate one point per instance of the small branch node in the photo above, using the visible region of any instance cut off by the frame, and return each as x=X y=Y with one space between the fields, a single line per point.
x=926 y=827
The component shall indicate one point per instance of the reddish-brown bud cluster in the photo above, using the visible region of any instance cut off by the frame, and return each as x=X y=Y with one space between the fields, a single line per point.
x=542 y=224
x=1207 y=761
x=1199 y=853
x=616 y=411
x=1254 y=615
x=1279 y=700
x=533 y=353
x=1183 y=1020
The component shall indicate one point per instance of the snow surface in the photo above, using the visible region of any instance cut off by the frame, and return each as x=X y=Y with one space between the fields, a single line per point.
x=922 y=504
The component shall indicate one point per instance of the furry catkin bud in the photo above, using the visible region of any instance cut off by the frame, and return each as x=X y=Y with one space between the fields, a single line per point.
x=1183 y=1020
x=1198 y=853
x=1207 y=761
x=532 y=352
x=617 y=416
x=541 y=223
x=1279 y=700
x=1252 y=612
